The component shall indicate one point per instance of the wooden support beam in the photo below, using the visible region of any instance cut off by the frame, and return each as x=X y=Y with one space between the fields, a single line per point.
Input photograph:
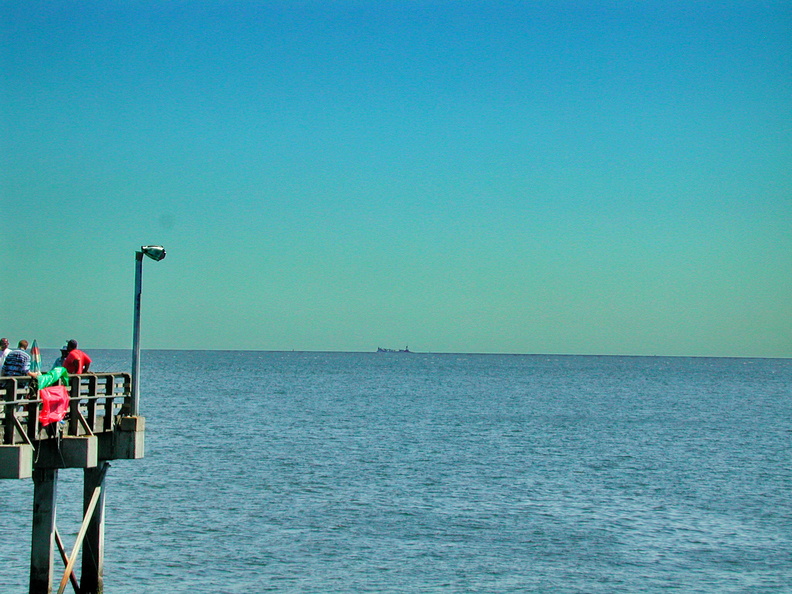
x=74 y=405
x=91 y=575
x=86 y=427
x=9 y=388
x=62 y=551
x=21 y=430
x=83 y=528
x=45 y=488
x=16 y=461
x=71 y=452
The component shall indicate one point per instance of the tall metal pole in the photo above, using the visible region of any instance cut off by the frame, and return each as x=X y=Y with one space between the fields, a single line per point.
x=136 y=336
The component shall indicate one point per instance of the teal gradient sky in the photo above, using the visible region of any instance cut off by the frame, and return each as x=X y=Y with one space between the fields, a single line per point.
x=520 y=177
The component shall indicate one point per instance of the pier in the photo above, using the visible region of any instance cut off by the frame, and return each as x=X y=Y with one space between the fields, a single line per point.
x=100 y=426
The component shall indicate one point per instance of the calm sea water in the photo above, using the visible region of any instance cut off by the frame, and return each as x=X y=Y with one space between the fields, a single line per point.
x=337 y=472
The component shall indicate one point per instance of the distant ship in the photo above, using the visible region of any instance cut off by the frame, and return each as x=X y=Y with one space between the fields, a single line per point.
x=404 y=350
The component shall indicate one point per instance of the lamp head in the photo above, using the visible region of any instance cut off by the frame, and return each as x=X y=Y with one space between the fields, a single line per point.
x=155 y=252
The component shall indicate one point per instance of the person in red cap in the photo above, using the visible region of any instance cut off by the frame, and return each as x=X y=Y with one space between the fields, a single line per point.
x=76 y=361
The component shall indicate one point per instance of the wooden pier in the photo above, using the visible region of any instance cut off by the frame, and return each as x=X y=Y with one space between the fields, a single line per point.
x=97 y=429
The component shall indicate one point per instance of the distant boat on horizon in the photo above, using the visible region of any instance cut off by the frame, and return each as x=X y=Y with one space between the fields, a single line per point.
x=404 y=350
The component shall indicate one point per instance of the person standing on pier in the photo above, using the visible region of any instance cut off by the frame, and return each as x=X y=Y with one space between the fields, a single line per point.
x=4 y=350
x=17 y=362
x=76 y=361
x=59 y=361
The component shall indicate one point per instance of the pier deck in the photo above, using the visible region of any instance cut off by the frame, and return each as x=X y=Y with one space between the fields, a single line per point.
x=98 y=428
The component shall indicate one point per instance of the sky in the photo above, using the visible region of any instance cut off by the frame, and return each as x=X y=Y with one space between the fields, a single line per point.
x=554 y=177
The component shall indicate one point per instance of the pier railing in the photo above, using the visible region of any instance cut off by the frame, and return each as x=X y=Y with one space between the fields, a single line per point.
x=97 y=402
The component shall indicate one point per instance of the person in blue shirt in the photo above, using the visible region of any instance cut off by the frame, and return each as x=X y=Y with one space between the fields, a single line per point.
x=17 y=362
x=59 y=361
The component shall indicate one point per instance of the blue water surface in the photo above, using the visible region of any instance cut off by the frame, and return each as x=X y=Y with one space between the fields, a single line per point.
x=380 y=472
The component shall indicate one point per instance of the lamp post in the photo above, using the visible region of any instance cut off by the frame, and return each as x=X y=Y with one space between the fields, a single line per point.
x=156 y=253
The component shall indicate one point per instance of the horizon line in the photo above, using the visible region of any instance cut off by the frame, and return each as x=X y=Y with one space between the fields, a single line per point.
x=478 y=353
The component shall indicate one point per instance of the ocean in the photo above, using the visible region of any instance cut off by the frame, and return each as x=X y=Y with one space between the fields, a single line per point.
x=385 y=472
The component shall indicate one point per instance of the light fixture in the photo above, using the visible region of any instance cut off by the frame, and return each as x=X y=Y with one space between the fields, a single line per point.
x=155 y=252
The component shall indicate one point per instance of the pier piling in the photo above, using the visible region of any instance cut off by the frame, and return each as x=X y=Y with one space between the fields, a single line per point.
x=45 y=490
x=91 y=580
